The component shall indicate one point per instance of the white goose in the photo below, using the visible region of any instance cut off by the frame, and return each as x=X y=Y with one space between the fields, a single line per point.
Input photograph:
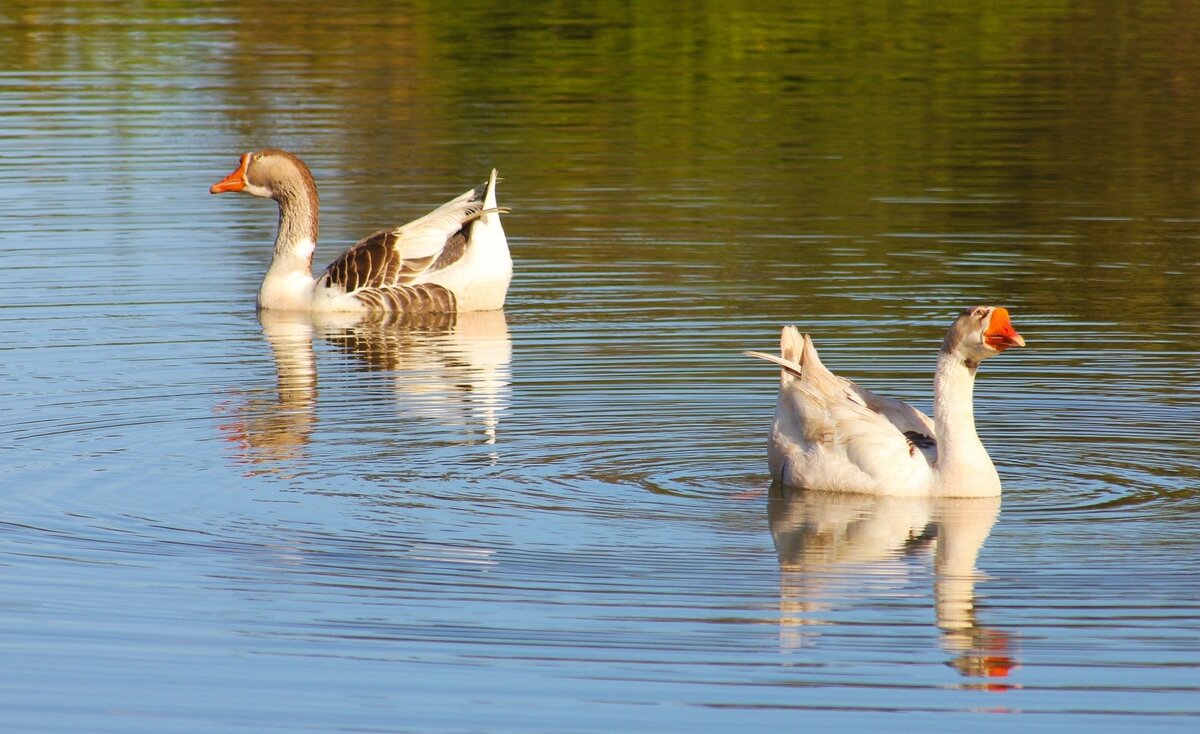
x=831 y=434
x=452 y=259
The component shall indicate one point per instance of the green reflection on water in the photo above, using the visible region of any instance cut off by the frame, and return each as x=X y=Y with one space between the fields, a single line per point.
x=1036 y=153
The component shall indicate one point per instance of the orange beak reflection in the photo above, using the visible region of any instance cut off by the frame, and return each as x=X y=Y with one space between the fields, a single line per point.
x=235 y=181
x=1000 y=333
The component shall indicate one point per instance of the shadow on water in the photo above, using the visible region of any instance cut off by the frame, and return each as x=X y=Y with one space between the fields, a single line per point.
x=838 y=549
x=451 y=368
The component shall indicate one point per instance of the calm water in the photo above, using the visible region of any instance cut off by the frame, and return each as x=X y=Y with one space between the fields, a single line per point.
x=558 y=518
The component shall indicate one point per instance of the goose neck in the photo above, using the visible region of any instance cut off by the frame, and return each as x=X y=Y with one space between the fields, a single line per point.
x=953 y=395
x=299 y=220
x=964 y=467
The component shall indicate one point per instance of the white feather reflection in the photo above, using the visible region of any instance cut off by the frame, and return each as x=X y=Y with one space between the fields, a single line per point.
x=453 y=369
x=836 y=549
x=273 y=430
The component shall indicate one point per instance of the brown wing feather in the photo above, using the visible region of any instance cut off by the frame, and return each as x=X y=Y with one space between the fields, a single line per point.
x=423 y=297
x=371 y=262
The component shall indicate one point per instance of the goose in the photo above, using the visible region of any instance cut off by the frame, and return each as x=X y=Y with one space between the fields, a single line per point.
x=453 y=259
x=830 y=434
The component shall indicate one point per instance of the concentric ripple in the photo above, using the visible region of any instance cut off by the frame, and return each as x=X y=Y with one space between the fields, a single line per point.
x=558 y=517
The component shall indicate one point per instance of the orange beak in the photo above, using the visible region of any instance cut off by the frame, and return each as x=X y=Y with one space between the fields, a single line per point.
x=1000 y=333
x=235 y=181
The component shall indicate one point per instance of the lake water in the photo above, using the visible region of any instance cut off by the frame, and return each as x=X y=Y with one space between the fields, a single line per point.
x=558 y=517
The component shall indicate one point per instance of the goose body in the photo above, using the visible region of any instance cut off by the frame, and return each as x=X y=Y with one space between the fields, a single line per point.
x=830 y=434
x=453 y=259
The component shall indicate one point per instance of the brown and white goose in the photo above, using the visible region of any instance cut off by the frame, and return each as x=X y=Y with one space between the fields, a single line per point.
x=453 y=259
x=831 y=434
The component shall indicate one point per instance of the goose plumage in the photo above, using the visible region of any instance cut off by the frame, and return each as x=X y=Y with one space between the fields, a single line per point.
x=453 y=259
x=831 y=434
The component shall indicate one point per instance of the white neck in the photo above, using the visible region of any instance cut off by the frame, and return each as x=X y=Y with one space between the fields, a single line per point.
x=289 y=282
x=964 y=467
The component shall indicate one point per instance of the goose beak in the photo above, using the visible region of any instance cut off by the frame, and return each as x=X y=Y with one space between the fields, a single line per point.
x=1000 y=334
x=235 y=181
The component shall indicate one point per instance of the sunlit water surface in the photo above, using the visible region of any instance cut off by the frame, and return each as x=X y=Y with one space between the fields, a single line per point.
x=558 y=517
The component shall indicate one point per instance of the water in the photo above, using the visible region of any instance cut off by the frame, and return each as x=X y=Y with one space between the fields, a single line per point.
x=558 y=517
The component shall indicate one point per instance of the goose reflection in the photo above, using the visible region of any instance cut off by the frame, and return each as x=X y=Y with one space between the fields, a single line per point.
x=458 y=365
x=838 y=547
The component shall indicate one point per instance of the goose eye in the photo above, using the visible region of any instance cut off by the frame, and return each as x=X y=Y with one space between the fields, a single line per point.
x=980 y=313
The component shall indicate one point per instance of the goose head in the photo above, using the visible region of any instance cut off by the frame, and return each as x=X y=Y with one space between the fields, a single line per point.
x=981 y=332
x=270 y=173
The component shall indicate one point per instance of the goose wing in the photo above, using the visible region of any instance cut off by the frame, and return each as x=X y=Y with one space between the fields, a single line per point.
x=403 y=256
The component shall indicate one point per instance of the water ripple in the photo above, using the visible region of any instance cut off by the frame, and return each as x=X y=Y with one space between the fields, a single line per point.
x=563 y=510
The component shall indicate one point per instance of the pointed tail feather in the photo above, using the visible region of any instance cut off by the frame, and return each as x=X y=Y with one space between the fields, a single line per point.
x=489 y=214
x=792 y=346
x=802 y=409
x=489 y=194
x=787 y=365
x=484 y=212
